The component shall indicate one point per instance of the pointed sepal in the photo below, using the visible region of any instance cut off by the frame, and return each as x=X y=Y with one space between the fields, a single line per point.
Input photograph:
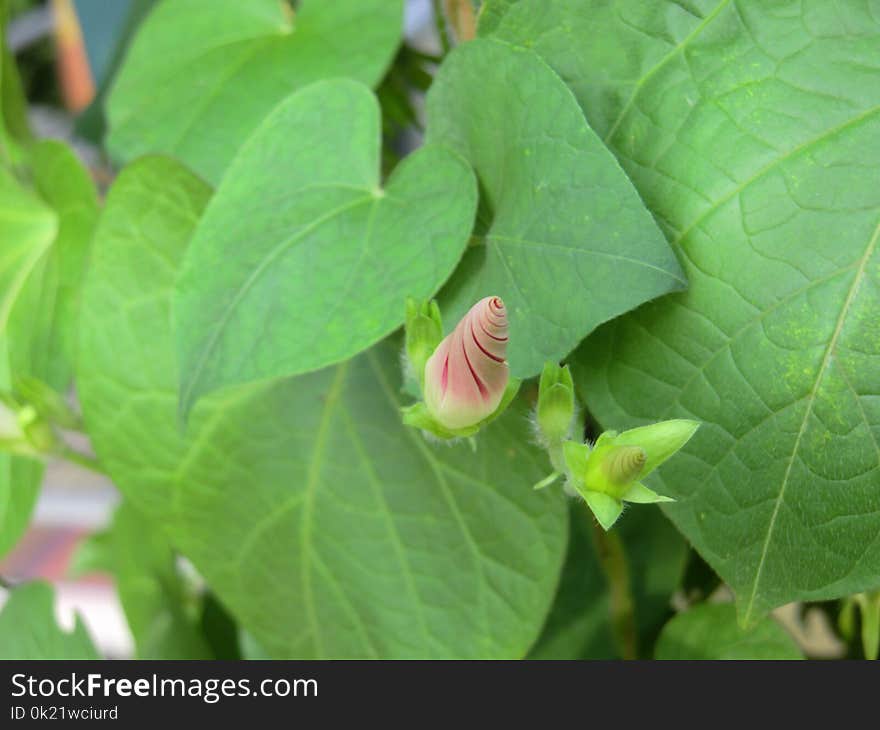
x=424 y=331
x=419 y=416
x=638 y=493
x=604 y=507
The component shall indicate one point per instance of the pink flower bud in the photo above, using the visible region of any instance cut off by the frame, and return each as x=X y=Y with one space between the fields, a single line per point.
x=466 y=376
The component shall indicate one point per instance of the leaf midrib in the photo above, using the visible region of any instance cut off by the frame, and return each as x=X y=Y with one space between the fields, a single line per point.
x=823 y=368
x=528 y=243
x=448 y=495
x=660 y=64
x=28 y=265
x=313 y=476
x=278 y=250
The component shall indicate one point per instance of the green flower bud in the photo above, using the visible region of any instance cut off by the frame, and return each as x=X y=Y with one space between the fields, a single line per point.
x=38 y=432
x=23 y=431
x=424 y=331
x=555 y=411
x=610 y=473
x=613 y=468
x=10 y=428
x=47 y=402
x=659 y=440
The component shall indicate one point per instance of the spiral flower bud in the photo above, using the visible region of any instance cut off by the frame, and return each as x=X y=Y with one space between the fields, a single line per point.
x=466 y=377
x=623 y=464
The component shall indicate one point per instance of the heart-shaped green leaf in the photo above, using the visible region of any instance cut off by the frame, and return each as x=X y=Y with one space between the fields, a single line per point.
x=27 y=229
x=302 y=259
x=710 y=631
x=565 y=240
x=752 y=130
x=45 y=237
x=327 y=527
x=44 y=321
x=28 y=629
x=201 y=74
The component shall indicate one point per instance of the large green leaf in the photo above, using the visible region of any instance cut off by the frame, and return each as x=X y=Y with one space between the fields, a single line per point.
x=564 y=238
x=44 y=322
x=27 y=229
x=752 y=130
x=161 y=613
x=325 y=526
x=45 y=236
x=201 y=74
x=28 y=629
x=302 y=259
x=581 y=624
x=20 y=480
x=711 y=631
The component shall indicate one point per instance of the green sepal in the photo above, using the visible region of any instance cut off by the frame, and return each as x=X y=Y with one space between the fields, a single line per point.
x=606 y=438
x=638 y=493
x=547 y=481
x=23 y=431
x=605 y=507
x=576 y=457
x=611 y=468
x=424 y=332
x=417 y=416
x=38 y=432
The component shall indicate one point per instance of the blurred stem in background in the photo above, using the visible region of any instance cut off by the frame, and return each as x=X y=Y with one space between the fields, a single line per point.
x=612 y=558
x=456 y=22
x=74 y=74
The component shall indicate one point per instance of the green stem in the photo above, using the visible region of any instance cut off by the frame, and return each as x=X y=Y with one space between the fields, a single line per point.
x=870 y=609
x=557 y=457
x=440 y=20
x=86 y=462
x=612 y=558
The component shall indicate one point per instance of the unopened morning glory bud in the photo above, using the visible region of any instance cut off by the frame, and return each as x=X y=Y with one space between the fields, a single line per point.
x=466 y=377
x=555 y=410
x=616 y=467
